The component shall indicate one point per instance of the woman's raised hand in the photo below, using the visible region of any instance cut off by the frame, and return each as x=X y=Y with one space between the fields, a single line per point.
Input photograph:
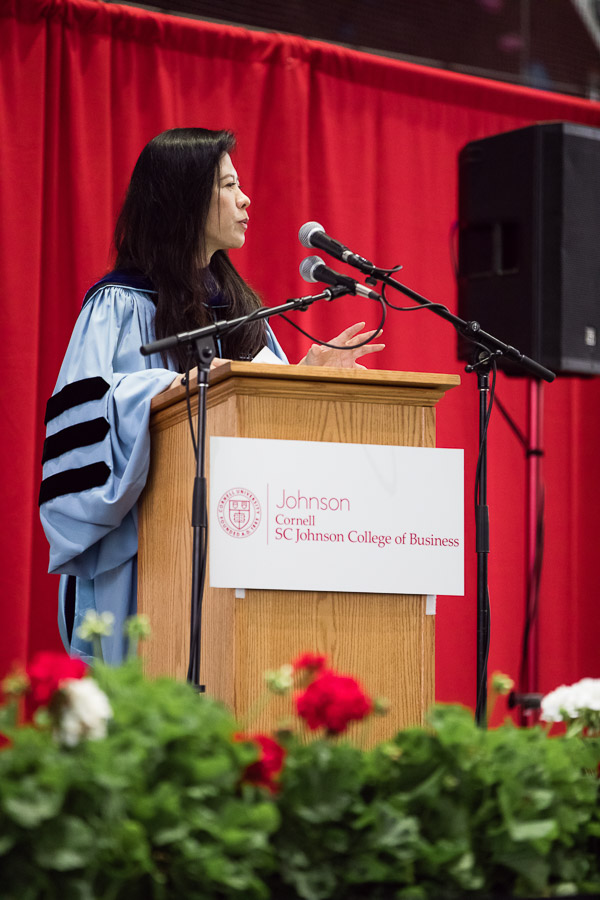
x=345 y=359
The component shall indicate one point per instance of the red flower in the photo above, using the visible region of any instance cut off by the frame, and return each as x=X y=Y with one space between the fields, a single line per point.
x=46 y=673
x=269 y=763
x=332 y=701
x=315 y=662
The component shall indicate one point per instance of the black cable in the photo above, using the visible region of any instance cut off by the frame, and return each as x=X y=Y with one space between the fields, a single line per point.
x=315 y=340
x=481 y=693
x=390 y=272
x=485 y=428
x=186 y=382
x=416 y=308
x=199 y=522
x=427 y=305
x=481 y=697
x=253 y=315
x=193 y=675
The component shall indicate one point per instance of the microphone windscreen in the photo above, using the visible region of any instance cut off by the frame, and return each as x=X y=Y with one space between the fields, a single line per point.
x=306 y=231
x=308 y=265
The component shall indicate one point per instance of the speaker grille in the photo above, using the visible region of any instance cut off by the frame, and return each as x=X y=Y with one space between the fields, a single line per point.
x=579 y=346
x=529 y=239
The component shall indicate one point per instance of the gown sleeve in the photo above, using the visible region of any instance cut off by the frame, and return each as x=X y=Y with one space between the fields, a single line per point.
x=97 y=449
x=274 y=345
x=96 y=457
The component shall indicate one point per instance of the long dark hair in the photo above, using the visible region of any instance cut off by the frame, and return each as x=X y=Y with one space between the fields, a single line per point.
x=160 y=233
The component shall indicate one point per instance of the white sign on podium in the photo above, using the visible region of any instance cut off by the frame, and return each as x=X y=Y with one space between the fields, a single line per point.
x=315 y=516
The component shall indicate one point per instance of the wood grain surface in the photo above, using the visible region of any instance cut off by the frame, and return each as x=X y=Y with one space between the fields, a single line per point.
x=385 y=640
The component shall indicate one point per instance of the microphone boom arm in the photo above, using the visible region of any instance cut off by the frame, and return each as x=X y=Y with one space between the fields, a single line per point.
x=223 y=326
x=470 y=330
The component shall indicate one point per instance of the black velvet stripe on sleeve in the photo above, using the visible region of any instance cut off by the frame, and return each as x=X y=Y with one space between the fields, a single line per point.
x=80 y=435
x=75 y=393
x=73 y=481
x=70 y=599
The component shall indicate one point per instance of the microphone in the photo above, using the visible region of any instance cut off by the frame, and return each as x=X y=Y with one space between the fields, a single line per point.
x=314 y=269
x=312 y=234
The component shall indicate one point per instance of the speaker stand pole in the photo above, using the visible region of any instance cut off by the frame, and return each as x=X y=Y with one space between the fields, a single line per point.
x=535 y=514
x=482 y=543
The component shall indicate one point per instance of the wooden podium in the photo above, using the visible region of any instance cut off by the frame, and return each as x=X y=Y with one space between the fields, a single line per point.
x=385 y=640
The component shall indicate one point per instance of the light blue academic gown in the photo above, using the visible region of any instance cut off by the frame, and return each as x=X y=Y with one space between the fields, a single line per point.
x=97 y=454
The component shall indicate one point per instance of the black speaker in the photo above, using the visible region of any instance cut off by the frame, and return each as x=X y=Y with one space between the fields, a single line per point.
x=529 y=243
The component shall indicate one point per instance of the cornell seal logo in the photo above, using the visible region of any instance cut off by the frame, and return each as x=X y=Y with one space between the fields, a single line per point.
x=239 y=513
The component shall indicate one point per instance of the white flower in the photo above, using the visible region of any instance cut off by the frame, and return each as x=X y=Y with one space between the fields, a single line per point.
x=84 y=712
x=572 y=699
x=588 y=693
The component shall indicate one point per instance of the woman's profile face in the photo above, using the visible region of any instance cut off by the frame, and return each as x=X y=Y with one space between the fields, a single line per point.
x=227 y=219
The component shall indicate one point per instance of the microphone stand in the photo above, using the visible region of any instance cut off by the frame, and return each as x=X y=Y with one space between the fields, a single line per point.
x=489 y=348
x=203 y=341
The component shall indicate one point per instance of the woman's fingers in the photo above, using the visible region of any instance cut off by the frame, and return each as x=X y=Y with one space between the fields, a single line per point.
x=352 y=329
x=368 y=348
x=349 y=351
x=350 y=336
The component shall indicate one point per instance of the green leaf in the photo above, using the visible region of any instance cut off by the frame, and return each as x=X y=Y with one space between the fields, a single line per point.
x=79 y=889
x=170 y=835
x=64 y=844
x=31 y=804
x=414 y=892
x=7 y=842
x=565 y=889
x=9 y=716
x=534 y=830
x=534 y=870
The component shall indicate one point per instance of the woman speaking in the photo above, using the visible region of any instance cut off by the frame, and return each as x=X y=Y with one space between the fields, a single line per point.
x=184 y=210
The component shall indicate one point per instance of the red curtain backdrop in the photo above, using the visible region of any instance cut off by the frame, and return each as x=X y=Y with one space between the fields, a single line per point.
x=365 y=145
